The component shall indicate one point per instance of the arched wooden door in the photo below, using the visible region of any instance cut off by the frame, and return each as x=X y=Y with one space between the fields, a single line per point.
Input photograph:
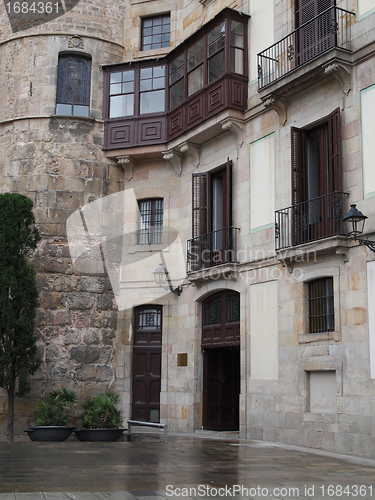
x=221 y=361
x=147 y=363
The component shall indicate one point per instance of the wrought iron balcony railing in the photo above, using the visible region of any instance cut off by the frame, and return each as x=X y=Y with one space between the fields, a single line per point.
x=331 y=28
x=309 y=221
x=212 y=249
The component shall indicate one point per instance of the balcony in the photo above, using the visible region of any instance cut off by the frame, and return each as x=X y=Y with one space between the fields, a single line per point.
x=212 y=249
x=330 y=30
x=150 y=103
x=309 y=221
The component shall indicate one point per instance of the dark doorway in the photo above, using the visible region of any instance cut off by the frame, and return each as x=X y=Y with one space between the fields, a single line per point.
x=221 y=389
x=221 y=361
x=147 y=363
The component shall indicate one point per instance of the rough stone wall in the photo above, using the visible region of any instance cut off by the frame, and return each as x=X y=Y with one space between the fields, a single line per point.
x=59 y=164
x=61 y=169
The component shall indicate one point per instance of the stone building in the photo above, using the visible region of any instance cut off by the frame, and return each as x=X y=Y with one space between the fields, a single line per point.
x=222 y=142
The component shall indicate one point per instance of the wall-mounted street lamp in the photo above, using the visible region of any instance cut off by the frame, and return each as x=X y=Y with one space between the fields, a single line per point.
x=354 y=222
x=162 y=279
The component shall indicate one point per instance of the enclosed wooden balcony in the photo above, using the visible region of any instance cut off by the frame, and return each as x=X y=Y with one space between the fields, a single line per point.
x=151 y=102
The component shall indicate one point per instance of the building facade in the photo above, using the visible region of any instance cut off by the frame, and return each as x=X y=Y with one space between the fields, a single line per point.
x=222 y=142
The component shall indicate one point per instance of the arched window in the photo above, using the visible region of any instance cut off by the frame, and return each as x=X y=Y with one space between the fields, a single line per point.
x=73 y=85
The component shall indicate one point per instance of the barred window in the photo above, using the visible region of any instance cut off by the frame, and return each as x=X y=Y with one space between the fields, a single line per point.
x=151 y=221
x=321 y=306
x=156 y=32
x=150 y=318
x=73 y=85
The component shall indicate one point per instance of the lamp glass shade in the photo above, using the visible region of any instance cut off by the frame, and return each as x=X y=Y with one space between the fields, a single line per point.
x=354 y=221
x=160 y=276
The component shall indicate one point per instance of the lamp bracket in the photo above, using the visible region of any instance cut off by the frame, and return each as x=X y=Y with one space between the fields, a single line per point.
x=369 y=244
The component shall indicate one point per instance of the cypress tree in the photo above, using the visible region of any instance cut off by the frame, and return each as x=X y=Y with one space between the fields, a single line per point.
x=18 y=298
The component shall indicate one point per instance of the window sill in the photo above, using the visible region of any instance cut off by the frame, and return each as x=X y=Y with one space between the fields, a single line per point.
x=147 y=54
x=222 y=271
x=75 y=117
x=148 y=247
x=313 y=338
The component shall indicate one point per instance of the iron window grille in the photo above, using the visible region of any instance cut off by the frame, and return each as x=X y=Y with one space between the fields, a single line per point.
x=149 y=319
x=73 y=85
x=321 y=306
x=151 y=221
x=156 y=32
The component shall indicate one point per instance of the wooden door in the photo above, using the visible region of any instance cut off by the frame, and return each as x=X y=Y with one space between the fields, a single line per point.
x=221 y=361
x=221 y=389
x=147 y=363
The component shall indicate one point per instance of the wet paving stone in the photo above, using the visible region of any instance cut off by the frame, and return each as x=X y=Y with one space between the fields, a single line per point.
x=184 y=467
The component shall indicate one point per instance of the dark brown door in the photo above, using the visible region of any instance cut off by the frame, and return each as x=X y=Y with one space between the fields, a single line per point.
x=221 y=361
x=147 y=363
x=221 y=389
x=221 y=320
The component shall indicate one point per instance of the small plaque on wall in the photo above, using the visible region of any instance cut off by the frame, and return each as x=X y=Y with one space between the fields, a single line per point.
x=182 y=359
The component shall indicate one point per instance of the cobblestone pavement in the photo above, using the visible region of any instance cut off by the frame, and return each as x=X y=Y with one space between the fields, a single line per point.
x=185 y=466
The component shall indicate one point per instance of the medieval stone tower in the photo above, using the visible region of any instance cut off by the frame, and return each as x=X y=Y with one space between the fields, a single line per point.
x=51 y=151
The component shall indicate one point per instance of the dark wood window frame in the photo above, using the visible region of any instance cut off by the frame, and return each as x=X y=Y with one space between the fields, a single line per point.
x=181 y=110
x=137 y=84
x=321 y=305
x=155 y=32
x=73 y=84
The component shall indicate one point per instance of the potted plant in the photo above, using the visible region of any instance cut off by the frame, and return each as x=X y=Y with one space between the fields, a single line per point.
x=51 y=416
x=100 y=420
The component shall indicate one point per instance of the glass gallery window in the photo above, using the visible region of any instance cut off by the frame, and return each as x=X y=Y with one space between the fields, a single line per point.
x=137 y=91
x=205 y=59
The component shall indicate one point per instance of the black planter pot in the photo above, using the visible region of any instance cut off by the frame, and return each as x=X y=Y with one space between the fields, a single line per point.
x=49 y=433
x=98 y=434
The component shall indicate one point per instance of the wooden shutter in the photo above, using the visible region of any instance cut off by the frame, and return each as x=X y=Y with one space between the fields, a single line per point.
x=228 y=194
x=299 y=166
x=334 y=151
x=200 y=204
x=305 y=10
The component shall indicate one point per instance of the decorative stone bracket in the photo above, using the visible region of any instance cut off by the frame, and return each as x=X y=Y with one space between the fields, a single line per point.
x=175 y=157
x=236 y=127
x=127 y=164
x=191 y=149
x=343 y=74
x=279 y=105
